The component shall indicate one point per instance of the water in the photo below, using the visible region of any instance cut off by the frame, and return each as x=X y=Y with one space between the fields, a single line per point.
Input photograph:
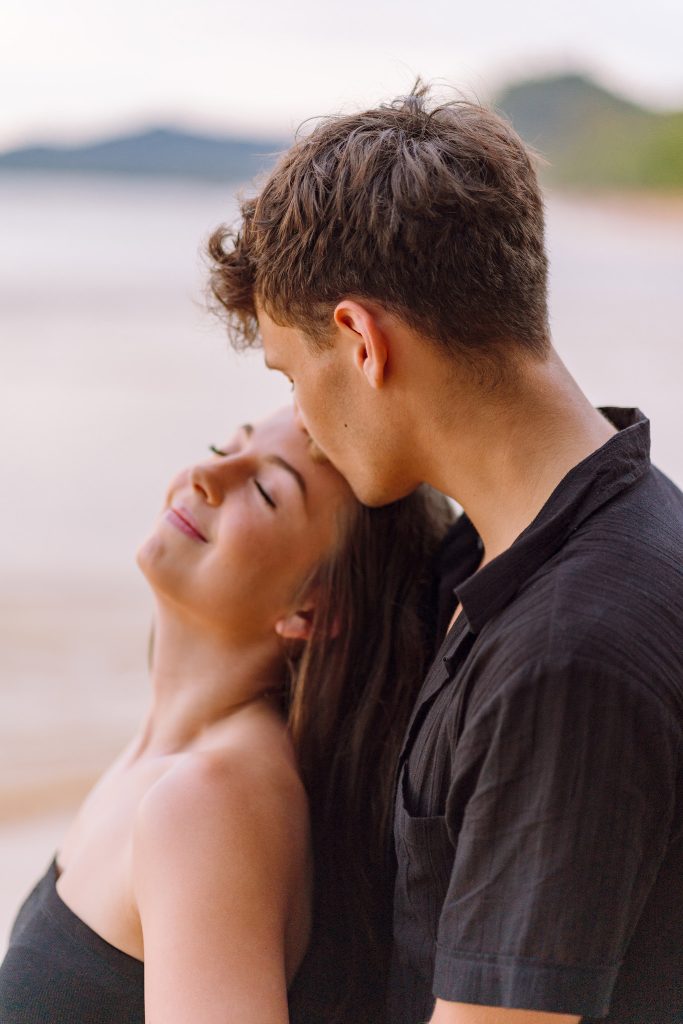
x=617 y=308
x=113 y=376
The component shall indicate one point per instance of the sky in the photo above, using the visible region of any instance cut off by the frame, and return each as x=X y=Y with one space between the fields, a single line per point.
x=72 y=70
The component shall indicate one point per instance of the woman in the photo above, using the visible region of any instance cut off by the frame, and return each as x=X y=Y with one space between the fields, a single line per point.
x=287 y=648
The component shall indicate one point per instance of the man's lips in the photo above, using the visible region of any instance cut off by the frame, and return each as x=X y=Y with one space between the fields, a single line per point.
x=183 y=521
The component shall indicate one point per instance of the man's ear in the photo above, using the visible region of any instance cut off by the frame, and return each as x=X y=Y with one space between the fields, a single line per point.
x=297 y=626
x=359 y=325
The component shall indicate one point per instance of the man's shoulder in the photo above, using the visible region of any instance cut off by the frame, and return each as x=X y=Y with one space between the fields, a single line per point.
x=645 y=520
x=621 y=561
x=609 y=603
x=625 y=558
x=648 y=515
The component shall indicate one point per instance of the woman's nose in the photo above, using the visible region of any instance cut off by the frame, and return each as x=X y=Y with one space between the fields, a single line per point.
x=212 y=479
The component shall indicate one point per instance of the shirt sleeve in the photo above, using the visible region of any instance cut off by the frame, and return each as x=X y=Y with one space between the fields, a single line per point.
x=567 y=780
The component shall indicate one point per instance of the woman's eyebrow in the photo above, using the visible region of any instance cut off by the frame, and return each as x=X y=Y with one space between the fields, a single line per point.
x=277 y=460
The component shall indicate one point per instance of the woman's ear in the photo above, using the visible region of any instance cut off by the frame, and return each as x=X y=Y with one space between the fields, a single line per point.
x=297 y=626
x=300 y=625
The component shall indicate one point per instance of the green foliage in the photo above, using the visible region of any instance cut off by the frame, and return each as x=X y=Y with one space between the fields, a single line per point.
x=592 y=138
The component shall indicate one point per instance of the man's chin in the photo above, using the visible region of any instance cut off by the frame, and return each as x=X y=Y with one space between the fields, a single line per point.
x=376 y=497
x=317 y=454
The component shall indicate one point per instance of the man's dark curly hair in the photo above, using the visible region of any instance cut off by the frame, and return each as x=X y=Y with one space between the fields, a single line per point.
x=432 y=211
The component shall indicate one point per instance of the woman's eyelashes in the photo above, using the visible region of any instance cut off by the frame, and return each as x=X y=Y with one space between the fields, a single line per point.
x=267 y=497
x=264 y=493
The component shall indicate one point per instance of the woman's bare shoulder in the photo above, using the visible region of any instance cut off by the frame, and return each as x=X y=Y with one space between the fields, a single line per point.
x=221 y=869
x=240 y=787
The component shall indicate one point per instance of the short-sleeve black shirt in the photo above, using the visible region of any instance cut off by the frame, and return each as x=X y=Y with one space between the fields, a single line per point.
x=538 y=820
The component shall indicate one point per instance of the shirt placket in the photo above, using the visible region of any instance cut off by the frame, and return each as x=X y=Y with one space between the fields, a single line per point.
x=443 y=671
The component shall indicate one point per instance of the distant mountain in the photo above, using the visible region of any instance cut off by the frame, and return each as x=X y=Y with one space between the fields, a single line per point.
x=591 y=137
x=159 y=152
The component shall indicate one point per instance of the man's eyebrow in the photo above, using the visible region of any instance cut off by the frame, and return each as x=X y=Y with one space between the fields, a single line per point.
x=277 y=460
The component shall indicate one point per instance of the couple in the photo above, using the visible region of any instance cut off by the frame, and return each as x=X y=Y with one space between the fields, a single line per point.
x=518 y=802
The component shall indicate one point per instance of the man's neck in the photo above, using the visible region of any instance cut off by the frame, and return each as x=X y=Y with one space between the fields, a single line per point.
x=501 y=457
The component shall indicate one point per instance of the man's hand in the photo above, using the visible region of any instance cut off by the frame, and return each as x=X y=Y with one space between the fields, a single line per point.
x=467 y=1013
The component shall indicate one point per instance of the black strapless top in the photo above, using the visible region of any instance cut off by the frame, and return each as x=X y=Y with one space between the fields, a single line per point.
x=58 y=970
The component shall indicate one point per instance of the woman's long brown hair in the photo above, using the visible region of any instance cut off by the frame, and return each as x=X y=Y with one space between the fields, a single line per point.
x=353 y=688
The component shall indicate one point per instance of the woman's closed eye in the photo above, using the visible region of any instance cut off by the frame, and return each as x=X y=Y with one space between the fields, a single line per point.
x=267 y=497
x=264 y=493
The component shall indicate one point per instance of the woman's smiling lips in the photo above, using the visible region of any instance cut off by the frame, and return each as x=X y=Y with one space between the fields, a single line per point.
x=183 y=521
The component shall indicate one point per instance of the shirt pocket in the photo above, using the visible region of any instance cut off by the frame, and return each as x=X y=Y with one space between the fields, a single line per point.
x=425 y=858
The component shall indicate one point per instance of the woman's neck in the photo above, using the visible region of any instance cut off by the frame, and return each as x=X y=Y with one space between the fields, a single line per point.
x=199 y=678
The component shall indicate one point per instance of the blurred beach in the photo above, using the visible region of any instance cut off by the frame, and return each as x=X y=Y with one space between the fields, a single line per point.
x=114 y=376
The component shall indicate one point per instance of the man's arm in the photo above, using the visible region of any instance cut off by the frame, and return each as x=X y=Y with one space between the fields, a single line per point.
x=468 y=1013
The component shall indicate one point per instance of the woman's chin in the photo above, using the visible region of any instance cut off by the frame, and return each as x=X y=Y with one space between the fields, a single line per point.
x=150 y=559
x=165 y=576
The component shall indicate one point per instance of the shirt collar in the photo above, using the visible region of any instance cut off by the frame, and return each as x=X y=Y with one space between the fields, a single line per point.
x=615 y=466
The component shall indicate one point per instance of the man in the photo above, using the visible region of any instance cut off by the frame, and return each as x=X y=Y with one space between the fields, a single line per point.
x=394 y=268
